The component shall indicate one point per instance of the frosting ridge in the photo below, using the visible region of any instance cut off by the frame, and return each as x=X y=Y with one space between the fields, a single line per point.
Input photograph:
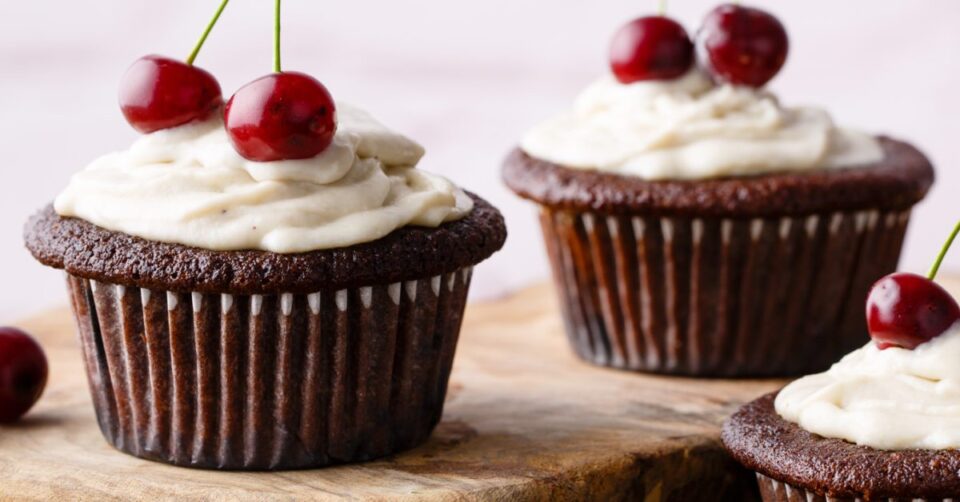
x=691 y=128
x=188 y=185
x=891 y=399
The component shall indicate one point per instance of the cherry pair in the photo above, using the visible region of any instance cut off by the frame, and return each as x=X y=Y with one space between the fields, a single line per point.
x=284 y=115
x=740 y=45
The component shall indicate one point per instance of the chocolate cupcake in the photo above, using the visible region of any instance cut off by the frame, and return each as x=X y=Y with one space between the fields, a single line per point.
x=881 y=424
x=795 y=465
x=250 y=315
x=702 y=228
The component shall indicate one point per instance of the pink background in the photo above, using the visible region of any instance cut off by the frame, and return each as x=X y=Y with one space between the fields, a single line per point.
x=464 y=78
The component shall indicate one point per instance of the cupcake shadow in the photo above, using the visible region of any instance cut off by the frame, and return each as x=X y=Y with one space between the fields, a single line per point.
x=571 y=460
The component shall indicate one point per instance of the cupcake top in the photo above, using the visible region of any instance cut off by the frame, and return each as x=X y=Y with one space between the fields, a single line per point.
x=691 y=128
x=188 y=185
x=889 y=399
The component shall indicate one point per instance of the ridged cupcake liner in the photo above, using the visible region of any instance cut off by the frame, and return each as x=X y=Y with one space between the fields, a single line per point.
x=718 y=296
x=772 y=490
x=265 y=382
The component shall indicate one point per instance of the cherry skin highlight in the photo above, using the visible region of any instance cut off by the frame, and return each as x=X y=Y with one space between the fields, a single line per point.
x=650 y=48
x=906 y=310
x=23 y=373
x=742 y=45
x=159 y=93
x=281 y=116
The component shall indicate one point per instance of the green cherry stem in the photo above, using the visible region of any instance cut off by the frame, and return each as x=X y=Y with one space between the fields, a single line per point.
x=663 y=8
x=943 y=253
x=203 y=38
x=276 y=38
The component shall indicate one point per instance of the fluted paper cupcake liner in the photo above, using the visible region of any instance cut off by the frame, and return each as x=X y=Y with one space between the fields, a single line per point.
x=717 y=296
x=772 y=490
x=269 y=381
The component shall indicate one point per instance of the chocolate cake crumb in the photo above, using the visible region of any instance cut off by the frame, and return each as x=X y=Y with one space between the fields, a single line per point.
x=757 y=437
x=409 y=253
x=897 y=182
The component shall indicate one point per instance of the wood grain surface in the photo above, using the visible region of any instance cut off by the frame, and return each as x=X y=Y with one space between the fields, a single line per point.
x=524 y=420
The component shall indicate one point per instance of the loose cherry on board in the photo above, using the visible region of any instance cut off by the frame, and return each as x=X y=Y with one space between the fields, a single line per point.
x=743 y=45
x=650 y=48
x=23 y=373
x=907 y=310
x=159 y=93
x=281 y=116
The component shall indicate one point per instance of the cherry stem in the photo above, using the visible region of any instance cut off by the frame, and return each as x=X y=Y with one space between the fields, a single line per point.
x=663 y=7
x=203 y=38
x=943 y=253
x=276 y=38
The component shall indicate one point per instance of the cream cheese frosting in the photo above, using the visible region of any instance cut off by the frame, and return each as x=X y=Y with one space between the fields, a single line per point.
x=188 y=185
x=891 y=399
x=690 y=128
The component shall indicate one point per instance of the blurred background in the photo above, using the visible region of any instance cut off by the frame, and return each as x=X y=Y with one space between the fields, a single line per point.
x=466 y=79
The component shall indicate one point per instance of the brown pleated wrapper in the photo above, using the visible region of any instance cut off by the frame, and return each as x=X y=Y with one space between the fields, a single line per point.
x=264 y=382
x=772 y=490
x=716 y=296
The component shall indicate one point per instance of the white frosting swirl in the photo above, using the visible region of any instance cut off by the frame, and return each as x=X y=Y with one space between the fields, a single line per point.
x=689 y=128
x=189 y=186
x=893 y=399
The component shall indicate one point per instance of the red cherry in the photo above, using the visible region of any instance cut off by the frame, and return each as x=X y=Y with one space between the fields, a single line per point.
x=281 y=116
x=159 y=93
x=650 y=48
x=906 y=310
x=743 y=46
x=23 y=373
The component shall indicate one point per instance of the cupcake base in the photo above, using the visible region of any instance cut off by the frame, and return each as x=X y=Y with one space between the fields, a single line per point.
x=265 y=382
x=714 y=296
x=772 y=490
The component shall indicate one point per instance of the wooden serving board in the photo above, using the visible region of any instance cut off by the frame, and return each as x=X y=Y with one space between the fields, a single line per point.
x=524 y=420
